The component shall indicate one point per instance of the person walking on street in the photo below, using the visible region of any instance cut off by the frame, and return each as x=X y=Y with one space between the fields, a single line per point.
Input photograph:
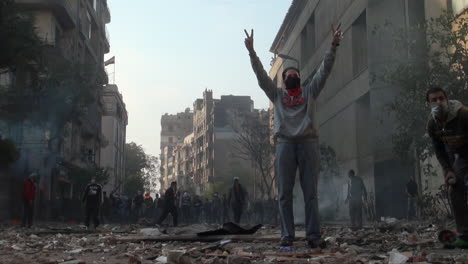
x=169 y=204
x=237 y=200
x=356 y=193
x=29 y=196
x=148 y=205
x=92 y=198
x=412 y=193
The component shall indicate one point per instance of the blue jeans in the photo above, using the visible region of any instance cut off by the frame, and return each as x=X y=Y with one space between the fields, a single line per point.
x=305 y=157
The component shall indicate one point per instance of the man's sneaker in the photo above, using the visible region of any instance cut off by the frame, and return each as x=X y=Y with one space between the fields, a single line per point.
x=316 y=244
x=286 y=242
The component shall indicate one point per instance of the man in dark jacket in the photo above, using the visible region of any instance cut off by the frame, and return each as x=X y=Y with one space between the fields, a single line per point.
x=448 y=129
x=356 y=192
x=237 y=200
x=137 y=205
x=169 y=204
x=197 y=208
x=216 y=208
x=29 y=195
x=412 y=193
x=185 y=208
x=93 y=199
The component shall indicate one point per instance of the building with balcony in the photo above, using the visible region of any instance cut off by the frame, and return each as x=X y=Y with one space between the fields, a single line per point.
x=75 y=31
x=203 y=161
x=114 y=128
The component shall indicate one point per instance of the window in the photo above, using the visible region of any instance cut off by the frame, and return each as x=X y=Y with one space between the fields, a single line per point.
x=58 y=36
x=6 y=78
x=308 y=40
x=88 y=27
x=458 y=5
x=359 y=38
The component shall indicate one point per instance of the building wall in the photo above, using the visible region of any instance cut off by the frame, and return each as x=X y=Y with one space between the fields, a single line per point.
x=174 y=129
x=202 y=160
x=351 y=101
x=114 y=123
x=42 y=150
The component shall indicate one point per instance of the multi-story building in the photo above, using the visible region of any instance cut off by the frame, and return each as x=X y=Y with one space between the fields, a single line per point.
x=204 y=159
x=351 y=108
x=75 y=31
x=114 y=124
x=174 y=128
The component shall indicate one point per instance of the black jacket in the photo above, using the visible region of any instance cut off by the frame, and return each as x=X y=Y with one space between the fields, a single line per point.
x=169 y=198
x=93 y=195
x=451 y=137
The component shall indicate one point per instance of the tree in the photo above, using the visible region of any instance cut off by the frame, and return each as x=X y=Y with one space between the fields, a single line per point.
x=253 y=144
x=328 y=192
x=141 y=170
x=82 y=177
x=8 y=153
x=439 y=58
x=48 y=90
x=151 y=173
x=20 y=45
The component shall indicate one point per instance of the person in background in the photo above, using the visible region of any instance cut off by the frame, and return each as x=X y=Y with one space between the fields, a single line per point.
x=356 y=193
x=29 y=196
x=92 y=198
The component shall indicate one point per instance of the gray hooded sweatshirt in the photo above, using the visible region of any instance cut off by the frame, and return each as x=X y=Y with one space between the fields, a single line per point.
x=295 y=119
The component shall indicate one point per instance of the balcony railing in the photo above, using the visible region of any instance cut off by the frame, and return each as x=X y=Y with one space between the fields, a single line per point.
x=64 y=11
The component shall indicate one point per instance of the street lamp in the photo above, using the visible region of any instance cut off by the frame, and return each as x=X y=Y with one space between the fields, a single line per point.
x=286 y=57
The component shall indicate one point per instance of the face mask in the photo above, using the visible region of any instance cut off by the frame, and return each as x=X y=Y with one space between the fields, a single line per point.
x=439 y=110
x=292 y=82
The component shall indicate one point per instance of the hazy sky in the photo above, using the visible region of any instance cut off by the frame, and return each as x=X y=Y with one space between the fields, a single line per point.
x=168 y=52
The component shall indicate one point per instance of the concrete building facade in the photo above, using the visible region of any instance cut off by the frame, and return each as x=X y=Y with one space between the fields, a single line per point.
x=114 y=128
x=351 y=108
x=174 y=129
x=76 y=31
x=203 y=161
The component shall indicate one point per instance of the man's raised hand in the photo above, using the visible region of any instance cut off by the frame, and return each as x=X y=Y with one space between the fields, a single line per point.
x=337 y=35
x=249 y=41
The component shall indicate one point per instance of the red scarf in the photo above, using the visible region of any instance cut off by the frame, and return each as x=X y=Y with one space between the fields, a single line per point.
x=294 y=92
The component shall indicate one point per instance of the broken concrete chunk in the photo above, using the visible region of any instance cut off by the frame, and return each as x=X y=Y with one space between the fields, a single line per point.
x=397 y=258
x=238 y=260
x=150 y=232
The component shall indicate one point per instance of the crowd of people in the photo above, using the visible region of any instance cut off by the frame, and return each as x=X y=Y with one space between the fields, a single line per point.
x=188 y=208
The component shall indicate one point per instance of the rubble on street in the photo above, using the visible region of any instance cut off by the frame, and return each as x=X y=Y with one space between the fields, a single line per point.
x=383 y=242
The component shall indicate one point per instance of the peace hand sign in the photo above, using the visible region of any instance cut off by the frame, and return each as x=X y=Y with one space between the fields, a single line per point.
x=337 y=35
x=249 y=41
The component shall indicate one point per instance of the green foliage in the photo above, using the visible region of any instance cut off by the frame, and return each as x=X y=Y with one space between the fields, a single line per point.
x=48 y=89
x=132 y=185
x=19 y=44
x=141 y=170
x=253 y=144
x=440 y=58
x=328 y=162
x=81 y=177
x=8 y=153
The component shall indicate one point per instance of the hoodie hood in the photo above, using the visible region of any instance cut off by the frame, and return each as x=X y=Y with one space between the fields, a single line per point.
x=453 y=107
